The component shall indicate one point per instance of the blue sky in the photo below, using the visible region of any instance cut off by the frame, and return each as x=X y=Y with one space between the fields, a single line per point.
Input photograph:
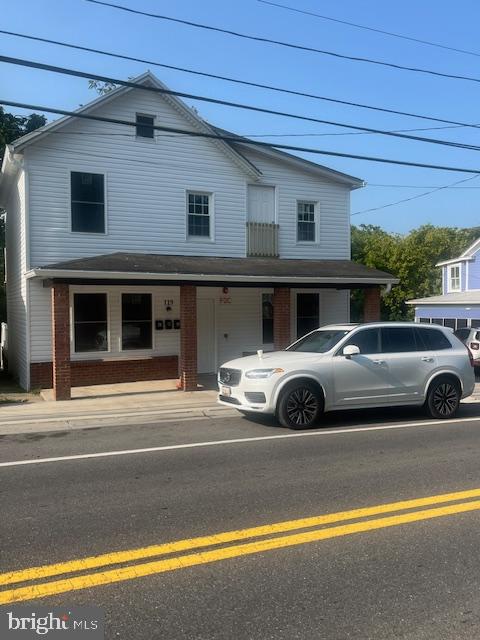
x=100 y=27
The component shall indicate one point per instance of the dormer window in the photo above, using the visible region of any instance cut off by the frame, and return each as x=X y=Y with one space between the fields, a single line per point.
x=144 y=128
x=454 y=277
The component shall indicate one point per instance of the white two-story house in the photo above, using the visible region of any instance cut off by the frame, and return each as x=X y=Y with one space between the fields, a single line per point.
x=136 y=254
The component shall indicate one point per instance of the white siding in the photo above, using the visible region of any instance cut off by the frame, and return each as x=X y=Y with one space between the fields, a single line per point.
x=333 y=200
x=146 y=184
x=17 y=287
x=238 y=321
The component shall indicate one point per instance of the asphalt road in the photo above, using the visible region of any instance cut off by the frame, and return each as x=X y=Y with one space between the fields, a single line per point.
x=406 y=579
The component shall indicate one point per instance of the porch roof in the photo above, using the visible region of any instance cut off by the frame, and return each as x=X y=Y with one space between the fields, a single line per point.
x=210 y=271
x=460 y=298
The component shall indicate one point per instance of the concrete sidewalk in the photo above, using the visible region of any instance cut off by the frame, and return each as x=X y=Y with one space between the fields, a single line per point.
x=111 y=405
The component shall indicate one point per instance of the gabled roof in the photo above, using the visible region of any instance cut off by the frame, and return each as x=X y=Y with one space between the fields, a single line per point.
x=468 y=254
x=302 y=163
x=233 y=150
x=149 y=79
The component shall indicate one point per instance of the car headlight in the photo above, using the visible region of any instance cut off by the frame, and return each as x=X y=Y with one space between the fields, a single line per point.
x=257 y=374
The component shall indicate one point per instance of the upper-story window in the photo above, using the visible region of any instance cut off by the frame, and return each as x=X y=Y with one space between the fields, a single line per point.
x=144 y=128
x=306 y=223
x=87 y=192
x=454 y=277
x=199 y=210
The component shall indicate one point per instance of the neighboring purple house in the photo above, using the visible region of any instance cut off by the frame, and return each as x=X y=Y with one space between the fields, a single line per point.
x=459 y=304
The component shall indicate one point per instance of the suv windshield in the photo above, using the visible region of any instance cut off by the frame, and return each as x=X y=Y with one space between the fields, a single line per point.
x=319 y=341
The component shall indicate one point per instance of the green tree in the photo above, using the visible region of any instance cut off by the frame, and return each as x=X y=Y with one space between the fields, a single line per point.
x=411 y=258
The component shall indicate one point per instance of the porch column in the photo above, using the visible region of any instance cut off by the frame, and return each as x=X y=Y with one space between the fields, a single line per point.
x=61 y=341
x=371 y=305
x=188 y=337
x=281 y=318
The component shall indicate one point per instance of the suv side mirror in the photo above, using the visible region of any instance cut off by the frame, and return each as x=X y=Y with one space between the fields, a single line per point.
x=351 y=350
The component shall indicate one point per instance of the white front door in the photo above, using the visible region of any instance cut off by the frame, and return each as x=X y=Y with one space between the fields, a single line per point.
x=261 y=204
x=206 y=347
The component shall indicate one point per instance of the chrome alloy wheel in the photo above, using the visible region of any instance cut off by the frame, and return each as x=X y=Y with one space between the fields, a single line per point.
x=445 y=399
x=302 y=407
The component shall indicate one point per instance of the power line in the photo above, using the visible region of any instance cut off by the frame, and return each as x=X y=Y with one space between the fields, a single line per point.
x=235 y=139
x=413 y=186
x=214 y=76
x=281 y=43
x=227 y=103
x=420 y=195
x=366 y=28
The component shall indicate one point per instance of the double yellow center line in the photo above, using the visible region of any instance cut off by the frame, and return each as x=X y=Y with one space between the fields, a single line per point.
x=76 y=574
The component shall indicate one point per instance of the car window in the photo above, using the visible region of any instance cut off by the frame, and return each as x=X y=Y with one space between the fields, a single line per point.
x=462 y=334
x=367 y=340
x=319 y=341
x=433 y=339
x=398 y=340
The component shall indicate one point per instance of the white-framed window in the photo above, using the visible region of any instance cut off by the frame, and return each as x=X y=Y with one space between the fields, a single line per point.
x=454 y=277
x=137 y=321
x=90 y=322
x=144 y=128
x=306 y=221
x=87 y=202
x=199 y=215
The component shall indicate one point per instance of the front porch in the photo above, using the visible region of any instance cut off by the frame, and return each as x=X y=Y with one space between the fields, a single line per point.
x=127 y=325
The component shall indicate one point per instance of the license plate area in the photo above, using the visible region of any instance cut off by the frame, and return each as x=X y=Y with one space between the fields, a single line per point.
x=225 y=391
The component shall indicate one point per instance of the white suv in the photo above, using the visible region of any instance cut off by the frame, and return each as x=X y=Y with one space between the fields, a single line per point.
x=351 y=366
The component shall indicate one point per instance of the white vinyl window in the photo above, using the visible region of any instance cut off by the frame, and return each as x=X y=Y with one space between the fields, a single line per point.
x=306 y=223
x=199 y=215
x=454 y=277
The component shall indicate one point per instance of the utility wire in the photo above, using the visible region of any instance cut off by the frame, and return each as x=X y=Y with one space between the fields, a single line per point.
x=248 y=83
x=413 y=186
x=227 y=103
x=281 y=43
x=233 y=138
x=366 y=28
x=420 y=195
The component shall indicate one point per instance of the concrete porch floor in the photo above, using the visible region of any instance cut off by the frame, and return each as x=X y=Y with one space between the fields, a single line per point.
x=120 y=392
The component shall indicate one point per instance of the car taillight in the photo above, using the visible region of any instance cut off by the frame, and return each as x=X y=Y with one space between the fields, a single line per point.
x=474 y=346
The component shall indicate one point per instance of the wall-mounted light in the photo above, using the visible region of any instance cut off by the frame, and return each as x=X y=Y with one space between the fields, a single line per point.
x=225 y=290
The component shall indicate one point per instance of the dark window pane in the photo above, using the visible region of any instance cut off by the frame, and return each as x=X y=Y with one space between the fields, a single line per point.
x=136 y=306
x=434 y=339
x=87 y=187
x=91 y=336
x=398 y=340
x=199 y=225
x=437 y=321
x=136 y=321
x=307 y=313
x=136 y=335
x=89 y=218
x=425 y=320
x=90 y=322
x=90 y=307
x=475 y=323
x=462 y=334
x=144 y=126
x=449 y=322
x=306 y=232
x=367 y=340
x=267 y=318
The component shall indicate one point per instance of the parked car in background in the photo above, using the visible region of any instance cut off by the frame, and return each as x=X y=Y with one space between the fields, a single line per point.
x=350 y=366
x=471 y=339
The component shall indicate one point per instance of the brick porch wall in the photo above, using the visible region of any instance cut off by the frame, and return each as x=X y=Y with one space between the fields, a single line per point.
x=92 y=372
x=188 y=337
x=281 y=317
x=371 y=305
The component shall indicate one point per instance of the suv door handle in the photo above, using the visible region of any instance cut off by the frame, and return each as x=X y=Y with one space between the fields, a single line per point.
x=427 y=359
x=379 y=362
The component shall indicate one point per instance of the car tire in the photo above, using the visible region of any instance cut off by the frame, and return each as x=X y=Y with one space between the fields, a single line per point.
x=300 y=405
x=443 y=397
